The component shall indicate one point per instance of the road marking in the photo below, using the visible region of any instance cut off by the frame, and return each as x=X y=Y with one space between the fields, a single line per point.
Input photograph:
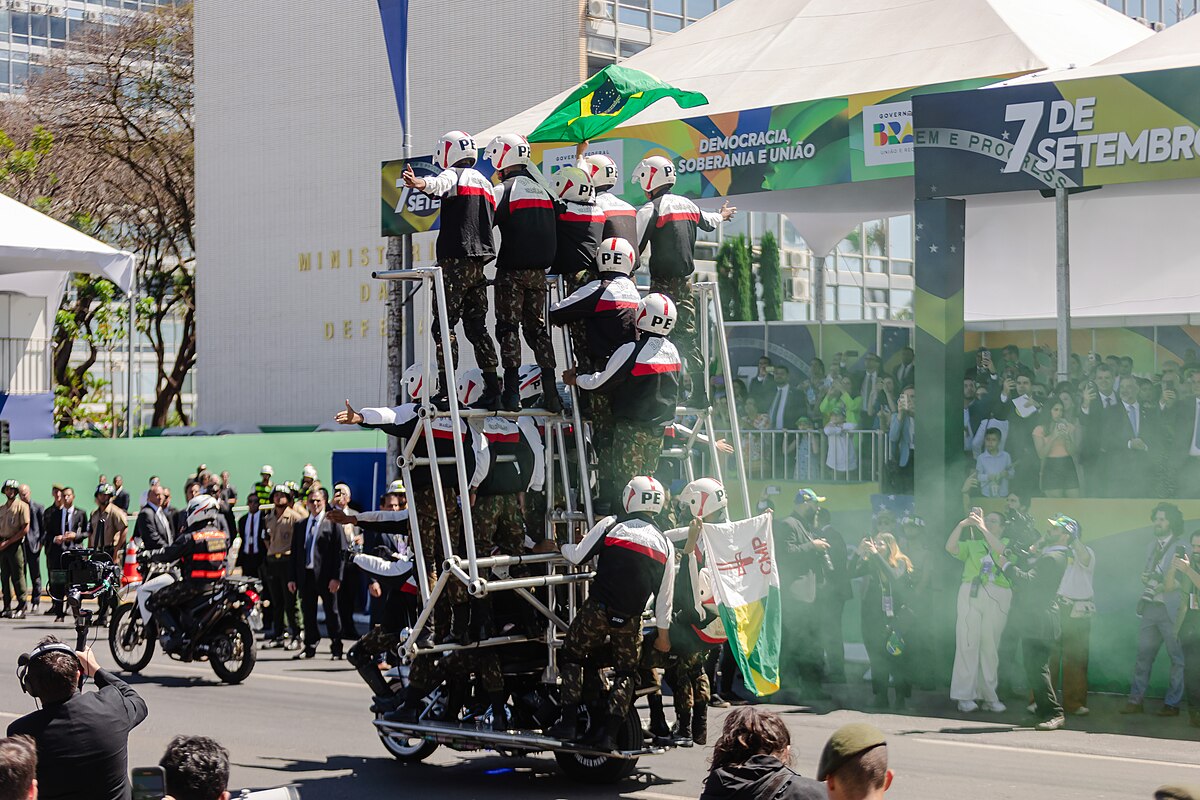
x=286 y=678
x=1151 y=762
x=657 y=796
x=10 y=715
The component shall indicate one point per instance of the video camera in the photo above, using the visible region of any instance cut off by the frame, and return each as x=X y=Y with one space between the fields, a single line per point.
x=85 y=573
x=1152 y=580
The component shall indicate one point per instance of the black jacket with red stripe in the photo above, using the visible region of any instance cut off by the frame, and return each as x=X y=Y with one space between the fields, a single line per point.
x=578 y=232
x=636 y=560
x=641 y=380
x=668 y=224
x=525 y=216
x=620 y=221
x=466 y=216
x=201 y=552
x=519 y=439
x=402 y=421
x=608 y=309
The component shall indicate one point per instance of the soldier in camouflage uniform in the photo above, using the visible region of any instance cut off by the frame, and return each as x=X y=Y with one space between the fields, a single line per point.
x=456 y=669
x=467 y=300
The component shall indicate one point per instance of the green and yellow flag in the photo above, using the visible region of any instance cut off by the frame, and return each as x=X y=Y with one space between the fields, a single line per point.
x=602 y=102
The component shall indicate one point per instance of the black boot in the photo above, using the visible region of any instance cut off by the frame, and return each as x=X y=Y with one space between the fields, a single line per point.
x=699 y=394
x=567 y=727
x=490 y=399
x=700 y=723
x=460 y=626
x=660 y=732
x=604 y=737
x=410 y=710
x=481 y=619
x=682 y=735
x=550 y=399
x=510 y=398
x=499 y=711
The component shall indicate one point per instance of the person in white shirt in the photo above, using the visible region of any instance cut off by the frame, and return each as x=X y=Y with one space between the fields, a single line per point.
x=1076 y=607
x=843 y=456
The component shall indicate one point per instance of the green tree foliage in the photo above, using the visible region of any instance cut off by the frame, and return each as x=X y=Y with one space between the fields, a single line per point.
x=770 y=278
x=735 y=279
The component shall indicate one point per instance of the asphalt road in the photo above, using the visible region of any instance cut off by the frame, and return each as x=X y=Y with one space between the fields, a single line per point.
x=306 y=723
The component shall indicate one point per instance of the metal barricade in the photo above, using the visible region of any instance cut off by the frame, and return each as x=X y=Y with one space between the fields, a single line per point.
x=859 y=456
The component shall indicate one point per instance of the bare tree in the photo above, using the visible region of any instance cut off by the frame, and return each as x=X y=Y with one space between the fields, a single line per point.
x=120 y=99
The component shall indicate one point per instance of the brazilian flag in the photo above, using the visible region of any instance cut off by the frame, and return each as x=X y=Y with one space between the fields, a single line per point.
x=604 y=101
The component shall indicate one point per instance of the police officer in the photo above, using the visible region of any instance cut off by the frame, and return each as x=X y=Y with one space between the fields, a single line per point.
x=579 y=227
x=402 y=422
x=668 y=223
x=526 y=219
x=265 y=487
x=464 y=246
x=201 y=551
x=607 y=305
x=635 y=560
x=620 y=218
x=641 y=380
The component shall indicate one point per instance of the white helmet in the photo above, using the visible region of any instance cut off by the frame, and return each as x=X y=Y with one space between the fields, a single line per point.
x=573 y=185
x=530 y=382
x=645 y=494
x=616 y=255
x=603 y=169
x=309 y=471
x=267 y=469
x=200 y=508
x=413 y=378
x=704 y=496
x=509 y=150
x=654 y=172
x=453 y=147
x=470 y=386
x=656 y=314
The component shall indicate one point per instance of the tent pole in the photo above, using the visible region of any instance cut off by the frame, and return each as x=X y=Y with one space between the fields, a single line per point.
x=132 y=332
x=1063 y=274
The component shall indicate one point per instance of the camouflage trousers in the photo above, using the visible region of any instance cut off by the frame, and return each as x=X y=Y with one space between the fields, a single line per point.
x=683 y=336
x=432 y=551
x=635 y=448
x=426 y=672
x=466 y=300
x=498 y=522
x=376 y=642
x=521 y=304
x=578 y=330
x=591 y=636
x=683 y=673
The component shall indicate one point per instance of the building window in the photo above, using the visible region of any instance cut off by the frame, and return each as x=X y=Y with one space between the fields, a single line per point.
x=667 y=24
x=631 y=48
x=633 y=16
x=902 y=304
x=700 y=8
x=601 y=46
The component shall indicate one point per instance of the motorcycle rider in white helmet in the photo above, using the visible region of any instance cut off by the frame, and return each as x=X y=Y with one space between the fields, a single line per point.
x=464 y=245
x=634 y=561
x=641 y=379
x=668 y=223
x=526 y=219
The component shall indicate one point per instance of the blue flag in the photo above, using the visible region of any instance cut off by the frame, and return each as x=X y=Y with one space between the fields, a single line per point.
x=394 y=15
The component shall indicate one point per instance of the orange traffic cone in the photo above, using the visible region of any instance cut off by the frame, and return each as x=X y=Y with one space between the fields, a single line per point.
x=130 y=572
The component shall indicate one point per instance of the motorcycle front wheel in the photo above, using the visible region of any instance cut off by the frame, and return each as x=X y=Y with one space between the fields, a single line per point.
x=232 y=652
x=130 y=640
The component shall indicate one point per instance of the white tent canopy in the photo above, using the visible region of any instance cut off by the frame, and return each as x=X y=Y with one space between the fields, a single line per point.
x=37 y=253
x=754 y=53
x=1131 y=260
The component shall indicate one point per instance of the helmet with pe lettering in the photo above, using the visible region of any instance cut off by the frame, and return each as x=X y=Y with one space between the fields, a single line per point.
x=644 y=494
x=413 y=381
x=453 y=147
x=530 y=383
x=656 y=314
x=616 y=255
x=573 y=185
x=603 y=170
x=704 y=496
x=202 y=507
x=509 y=150
x=470 y=386
x=654 y=172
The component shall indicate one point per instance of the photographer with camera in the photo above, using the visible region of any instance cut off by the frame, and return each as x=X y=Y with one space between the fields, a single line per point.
x=1184 y=575
x=82 y=737
x=1159 y=609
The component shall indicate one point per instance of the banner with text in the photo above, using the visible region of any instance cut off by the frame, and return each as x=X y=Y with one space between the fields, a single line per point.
x=1089 y=132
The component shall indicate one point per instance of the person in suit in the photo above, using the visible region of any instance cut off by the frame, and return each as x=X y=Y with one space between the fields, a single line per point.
x=1099 y=395
x=787 y=403
x=317 y=565
x=254 y=547
x=67 y=527
x=762 y=386
x=1180 y=414
x=1130 y=431
x=121 y=498
x=152 y=526
x=33 y=545
x=906 y=371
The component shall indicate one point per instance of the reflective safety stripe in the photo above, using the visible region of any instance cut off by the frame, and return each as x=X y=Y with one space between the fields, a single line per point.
x=209 y=556
x=211 y=574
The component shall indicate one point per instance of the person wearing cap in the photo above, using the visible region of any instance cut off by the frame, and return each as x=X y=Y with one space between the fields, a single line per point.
x=308 y=479
x=110 y=531
x=1076 y=607
x=805 y=567
x=854 y=763
x=751 y=761
x=279 y=526
x=1035 y=597
x=265 y=486
x=14 y=525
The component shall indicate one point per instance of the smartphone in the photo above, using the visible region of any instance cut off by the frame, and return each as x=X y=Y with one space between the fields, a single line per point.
x=772 y=490
x=149 y=783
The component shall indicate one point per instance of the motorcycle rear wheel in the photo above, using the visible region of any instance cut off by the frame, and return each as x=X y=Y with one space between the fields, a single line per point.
x=130 y=640
x=231 y=651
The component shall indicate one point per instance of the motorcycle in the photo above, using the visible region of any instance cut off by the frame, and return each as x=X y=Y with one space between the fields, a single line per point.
x=221 y=631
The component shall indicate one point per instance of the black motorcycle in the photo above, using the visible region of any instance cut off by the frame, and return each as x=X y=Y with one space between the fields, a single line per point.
x=218 y=627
